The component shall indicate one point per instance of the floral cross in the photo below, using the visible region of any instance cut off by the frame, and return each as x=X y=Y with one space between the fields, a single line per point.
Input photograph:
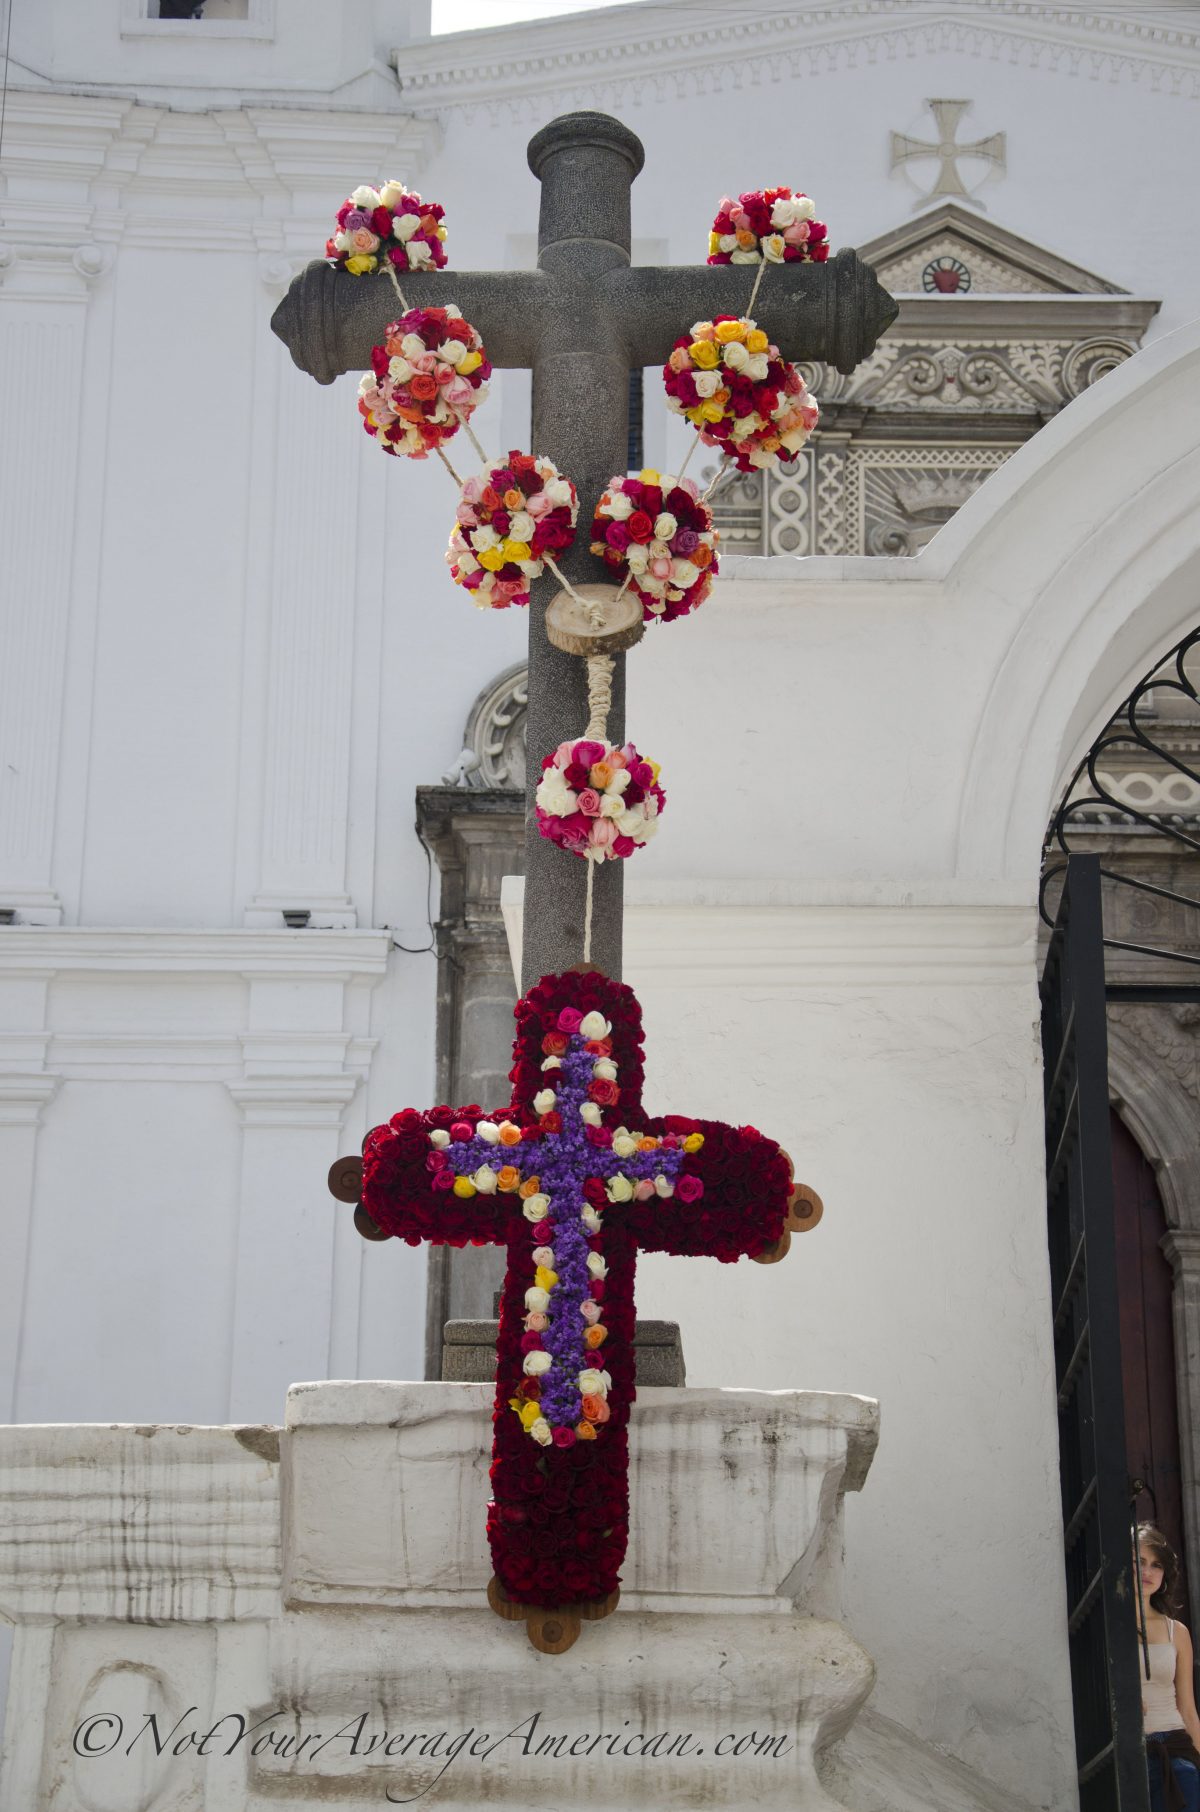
x=574 y=1178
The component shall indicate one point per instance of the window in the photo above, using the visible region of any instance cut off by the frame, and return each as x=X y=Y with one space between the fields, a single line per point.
x=636 y=454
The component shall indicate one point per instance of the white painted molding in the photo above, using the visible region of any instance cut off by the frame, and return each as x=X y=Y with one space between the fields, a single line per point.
x=220 y=951
x=25 y=1096
x=739 y=935
x=294 y=1101
x=615 y=55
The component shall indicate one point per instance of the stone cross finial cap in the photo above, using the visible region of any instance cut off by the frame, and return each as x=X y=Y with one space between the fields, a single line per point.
x=590 y=131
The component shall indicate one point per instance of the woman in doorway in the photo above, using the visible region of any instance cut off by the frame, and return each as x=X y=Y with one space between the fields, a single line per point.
x=1168 y=1704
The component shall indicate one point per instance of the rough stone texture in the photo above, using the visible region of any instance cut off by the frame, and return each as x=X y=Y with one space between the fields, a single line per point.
x=469 y=1352
x=582 y=320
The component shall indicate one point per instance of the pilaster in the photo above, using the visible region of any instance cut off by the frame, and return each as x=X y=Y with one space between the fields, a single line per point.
x=1182 y=1247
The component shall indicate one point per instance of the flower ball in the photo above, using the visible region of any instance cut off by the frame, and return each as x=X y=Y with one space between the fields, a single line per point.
x=739 y=392
x=656 y=529
x=426 y=378
x=391 y=223
x=598 y=801
x=772 y=226
x=508 y=520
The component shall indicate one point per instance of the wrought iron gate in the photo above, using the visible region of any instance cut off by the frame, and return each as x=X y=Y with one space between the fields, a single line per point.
x=1101 y=1586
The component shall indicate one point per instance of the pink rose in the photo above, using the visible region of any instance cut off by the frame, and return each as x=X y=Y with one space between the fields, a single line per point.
x=680 y=360
x=539 y=504
x=531 y=1343
x=589 y=802
x=587 y=754
x=466 y=515
x=442 y=1179
x=603 y=830
x=660 y=568
x=537 y=1323
x=459 y=393
x=591 y=1310
x=570 y=1018
x=564 y=1437
x=623 y=846
x=364 y=240
x=643 y=1190
x=797 y=233
x=461 y=1130
x=689 y=1189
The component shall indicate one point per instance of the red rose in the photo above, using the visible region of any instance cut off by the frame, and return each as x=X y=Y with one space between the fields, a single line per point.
x=604 y=1092
x=640 y=526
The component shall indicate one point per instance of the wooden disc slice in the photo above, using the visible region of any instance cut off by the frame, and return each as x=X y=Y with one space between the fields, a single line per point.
x=553 y=1630
x=366 y=1226
x=774 y=1253
x=599 y=1608
x=569 y=626
x=805 y=1211
x=503 y=1605
x=345 y=1179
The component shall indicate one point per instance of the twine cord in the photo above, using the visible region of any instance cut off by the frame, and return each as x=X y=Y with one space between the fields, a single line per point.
x=587 y=912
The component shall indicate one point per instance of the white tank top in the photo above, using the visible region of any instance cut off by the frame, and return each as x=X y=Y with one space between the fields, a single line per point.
x=1159 y=1710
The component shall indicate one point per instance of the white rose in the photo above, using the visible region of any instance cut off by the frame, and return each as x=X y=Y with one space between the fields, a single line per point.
x=707 y=382
x=392 y=194
x=541 y=1430
x=488 y=1131
x=399 y=370
x=745 y=258
x=440 y=1137
x=804 y=208
x=594 y=1025
x=419 y=254
x=343 y=242
x=781 y=213
x=558 y=491
x=554 y=796
x=666 y=525
x=537 y=1301
x=728 y=242
x=620 y=780
x=684 y=573
x=552 y=1063
x=544 y=1101
x=521 y=526
x=605 y=1069
x=365 y=197
x=735 y=356
x=412 y=346
x=590 y=1114
x=405 y=225
x=590 y=1218
x=536 y=1363
x=591 y=1383
x=619 y=1189
x=532 y=569
x=535 y=1208
x=596 y=1265
x=756 y=366
x=773 y=248
x=747 y=425
x=485 y=1180
x=610 y=806
x=621 y=507
x=663 y=1186
x=624 y=1144
x=637 y=557
x=483 y=538
x=630 y=824
x=452 y=352
x=466 y=562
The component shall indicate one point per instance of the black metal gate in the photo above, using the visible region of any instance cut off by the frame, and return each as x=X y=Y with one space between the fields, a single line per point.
x=1101 y=1587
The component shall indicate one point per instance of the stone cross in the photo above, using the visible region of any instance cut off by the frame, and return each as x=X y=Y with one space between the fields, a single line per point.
x=582 y=320
x=947 y=115
x=573 y=1178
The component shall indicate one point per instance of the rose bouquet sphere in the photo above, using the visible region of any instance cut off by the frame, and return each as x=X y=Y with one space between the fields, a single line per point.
x=739 y=392
x=390 y=224
x=771 y=226
x=598 y=801
x=508 y=520
x=427 y=377
x=657 y=529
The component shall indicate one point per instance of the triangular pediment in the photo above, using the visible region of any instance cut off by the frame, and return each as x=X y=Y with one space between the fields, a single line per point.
x=950 y=250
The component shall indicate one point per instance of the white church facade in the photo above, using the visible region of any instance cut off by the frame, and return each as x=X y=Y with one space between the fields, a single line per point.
x=231 y=654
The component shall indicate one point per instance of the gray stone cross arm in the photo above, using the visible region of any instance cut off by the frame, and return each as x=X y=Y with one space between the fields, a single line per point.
x=581 y=321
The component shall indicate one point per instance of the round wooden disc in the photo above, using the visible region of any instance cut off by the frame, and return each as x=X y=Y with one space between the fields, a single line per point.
x=552 y=1631
x=774 y=1253
x=570 y=628
x=599 y=1608
x=503 y=1605
x=367 y=1227
x=805 y=1211
x=345 y=1179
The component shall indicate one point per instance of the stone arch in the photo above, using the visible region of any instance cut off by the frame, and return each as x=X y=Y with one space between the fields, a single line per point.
x=1087 y=546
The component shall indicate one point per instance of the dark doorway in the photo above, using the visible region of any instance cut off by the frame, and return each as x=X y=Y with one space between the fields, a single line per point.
x=1147 y=1341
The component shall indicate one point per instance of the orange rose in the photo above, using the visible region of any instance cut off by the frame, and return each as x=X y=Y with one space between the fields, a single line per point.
x=510 y=1134
x=596 y=1335
x=423 y=386
x=529 y=1187
x=647 y=1144
x=508 y=1178
x=584 y=1431
x=592 y=1407
x=701 y=556
x=491 y=498
x=514 y=500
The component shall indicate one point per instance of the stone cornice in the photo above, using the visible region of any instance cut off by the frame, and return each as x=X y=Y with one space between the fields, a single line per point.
x=59 y=948
x=621 y=53
x=1032 y=317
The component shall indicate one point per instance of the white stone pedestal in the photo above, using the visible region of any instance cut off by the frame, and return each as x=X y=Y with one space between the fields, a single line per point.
x=325 y=1585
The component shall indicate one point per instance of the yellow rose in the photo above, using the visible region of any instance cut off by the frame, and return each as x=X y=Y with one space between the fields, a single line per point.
x=709 y=412
x=492 y=558
x=714 y=243
x=361 y=263
x=515 y=550
x=543 y=1277
x=730 y=330
x=529 y=1414
x=755 y=342
x=464 y=1186
x=694 y=1141
x=704 y=354
x=649 y=476
x=441 y=232
x=474 y=360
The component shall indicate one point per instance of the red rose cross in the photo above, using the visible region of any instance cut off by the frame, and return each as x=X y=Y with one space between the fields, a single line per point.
x=574 y=1178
